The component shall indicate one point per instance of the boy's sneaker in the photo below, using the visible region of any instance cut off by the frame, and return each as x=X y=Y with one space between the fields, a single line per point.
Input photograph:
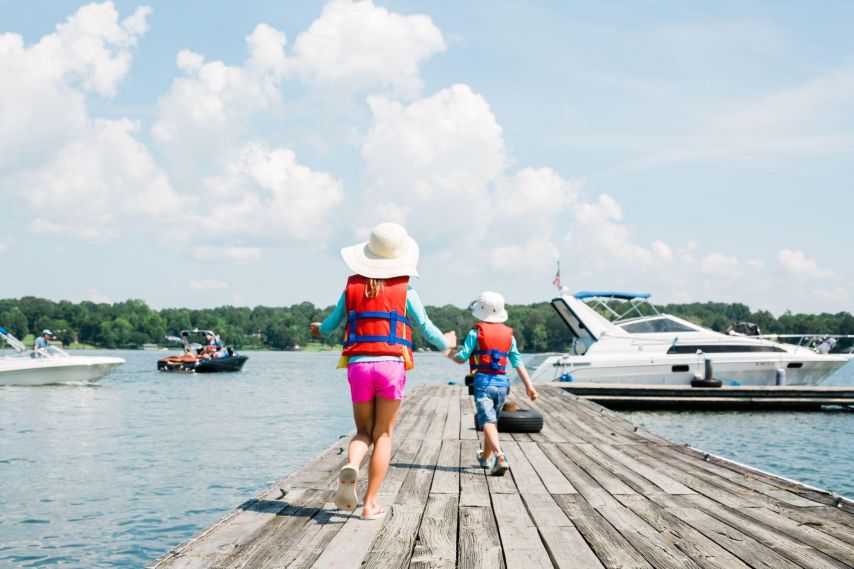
x=501 y=465
x=483 y=463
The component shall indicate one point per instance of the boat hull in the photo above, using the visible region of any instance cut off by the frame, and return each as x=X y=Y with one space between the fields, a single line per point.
x=48 y=371
x=672 y=370
x=213 y=365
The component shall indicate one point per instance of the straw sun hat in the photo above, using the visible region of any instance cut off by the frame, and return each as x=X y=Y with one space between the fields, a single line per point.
x=489 y=307
x=390 y=252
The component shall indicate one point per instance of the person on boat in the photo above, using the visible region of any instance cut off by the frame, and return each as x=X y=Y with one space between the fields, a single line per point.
x=380 y=308
x=488 y=347
x=41 y=344
x=212 y=346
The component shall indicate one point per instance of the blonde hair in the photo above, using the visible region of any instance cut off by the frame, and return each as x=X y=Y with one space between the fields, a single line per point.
x=374 y=287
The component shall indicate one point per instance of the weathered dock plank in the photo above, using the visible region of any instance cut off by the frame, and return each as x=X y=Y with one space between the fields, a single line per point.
x=590 y=491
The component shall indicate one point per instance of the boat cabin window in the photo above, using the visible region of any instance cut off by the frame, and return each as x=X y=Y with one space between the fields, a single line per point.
x=656 y=325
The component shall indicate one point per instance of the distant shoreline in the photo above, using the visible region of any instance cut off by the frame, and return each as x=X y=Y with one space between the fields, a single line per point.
x=132 y=324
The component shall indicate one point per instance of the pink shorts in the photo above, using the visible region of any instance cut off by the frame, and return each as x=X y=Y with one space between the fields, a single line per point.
x=384 y=379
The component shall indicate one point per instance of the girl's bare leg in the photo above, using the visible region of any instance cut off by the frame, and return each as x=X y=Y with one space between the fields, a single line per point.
x=363 y=413
x=385 y=416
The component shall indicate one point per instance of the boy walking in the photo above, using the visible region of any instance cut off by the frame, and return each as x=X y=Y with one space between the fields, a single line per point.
x=488 y=347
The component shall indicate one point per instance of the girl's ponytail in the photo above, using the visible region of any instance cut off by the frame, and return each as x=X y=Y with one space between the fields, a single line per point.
x=374 y=287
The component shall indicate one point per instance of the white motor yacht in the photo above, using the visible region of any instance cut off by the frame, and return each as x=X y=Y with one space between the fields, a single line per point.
x=53 y=365
x=664 y=349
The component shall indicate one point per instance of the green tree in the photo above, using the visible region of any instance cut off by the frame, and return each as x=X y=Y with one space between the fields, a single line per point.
x=15 y=321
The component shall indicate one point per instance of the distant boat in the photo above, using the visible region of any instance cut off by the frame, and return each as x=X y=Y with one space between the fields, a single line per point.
x=196 y=360
x=50 y=365
x=664 y=349
x=150 y=347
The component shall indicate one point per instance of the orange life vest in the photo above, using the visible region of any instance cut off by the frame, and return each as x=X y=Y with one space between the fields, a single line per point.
x=493 y=346
x=377 y=326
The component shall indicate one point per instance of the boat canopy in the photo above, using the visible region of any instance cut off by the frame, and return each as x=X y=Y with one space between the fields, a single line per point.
x=608 y=294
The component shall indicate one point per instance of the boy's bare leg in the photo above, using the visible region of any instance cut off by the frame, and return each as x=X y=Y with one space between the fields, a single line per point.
x=384 y=420
x=490 y=440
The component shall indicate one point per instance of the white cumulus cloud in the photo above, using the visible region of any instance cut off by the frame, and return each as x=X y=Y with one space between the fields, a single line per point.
x=721 y=265
x=209 y=107
x=43 y=87
x=799 y=265
x=268 y=196
x=100 y=183
x=433 y=159
x=361 y=45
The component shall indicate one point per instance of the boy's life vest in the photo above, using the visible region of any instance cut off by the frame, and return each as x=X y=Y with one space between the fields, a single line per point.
x=493 y=346
x=377 y=326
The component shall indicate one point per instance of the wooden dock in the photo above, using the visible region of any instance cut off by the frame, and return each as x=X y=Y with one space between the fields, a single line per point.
x=590 y=491
x=619 y=396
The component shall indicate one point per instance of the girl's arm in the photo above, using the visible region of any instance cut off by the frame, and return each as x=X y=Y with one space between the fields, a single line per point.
x=324 y=329
x=418 y=315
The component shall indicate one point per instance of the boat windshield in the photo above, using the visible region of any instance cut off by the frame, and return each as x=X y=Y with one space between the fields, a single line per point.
x=655 y=325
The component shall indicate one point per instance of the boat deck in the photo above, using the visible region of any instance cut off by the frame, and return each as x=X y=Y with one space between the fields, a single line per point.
x=684 y=397
x=591 y=490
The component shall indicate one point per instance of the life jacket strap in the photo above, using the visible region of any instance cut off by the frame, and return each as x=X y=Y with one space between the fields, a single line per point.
x=393 y=317
x=495 y=357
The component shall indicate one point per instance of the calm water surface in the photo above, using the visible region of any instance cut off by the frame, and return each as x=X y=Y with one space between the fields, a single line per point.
x=113 y=475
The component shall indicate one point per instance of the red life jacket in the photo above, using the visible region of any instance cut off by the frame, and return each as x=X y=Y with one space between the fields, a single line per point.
x=377 y=326
x=493 y=346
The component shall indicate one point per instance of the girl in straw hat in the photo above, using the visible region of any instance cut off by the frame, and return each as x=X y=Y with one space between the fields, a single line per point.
x=489 y=347
x=380 y=309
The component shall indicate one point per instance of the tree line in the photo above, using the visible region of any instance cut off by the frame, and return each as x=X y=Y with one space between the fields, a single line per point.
x=132 y=323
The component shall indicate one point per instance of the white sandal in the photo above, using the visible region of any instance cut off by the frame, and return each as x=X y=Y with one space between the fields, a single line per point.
x=345 y=497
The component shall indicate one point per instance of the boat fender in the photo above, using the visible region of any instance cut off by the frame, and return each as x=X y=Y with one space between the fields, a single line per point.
x=565 y=377
x=702 y=382
x=780 y=377
x=520 y=421
x=470 y=384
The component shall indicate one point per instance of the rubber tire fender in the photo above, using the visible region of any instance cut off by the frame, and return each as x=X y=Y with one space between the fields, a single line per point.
x=520 y=421
x=706 y=382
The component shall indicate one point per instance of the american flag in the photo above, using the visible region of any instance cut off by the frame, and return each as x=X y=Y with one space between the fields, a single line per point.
x=556 y=280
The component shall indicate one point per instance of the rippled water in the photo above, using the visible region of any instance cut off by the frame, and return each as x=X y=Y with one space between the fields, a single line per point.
x=113 y=475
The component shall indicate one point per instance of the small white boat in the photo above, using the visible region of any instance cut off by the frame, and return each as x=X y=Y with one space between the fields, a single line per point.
x=665 y=349
x=50 y=366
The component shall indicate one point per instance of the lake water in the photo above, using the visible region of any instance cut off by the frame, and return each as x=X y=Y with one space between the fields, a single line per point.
x=113 y=475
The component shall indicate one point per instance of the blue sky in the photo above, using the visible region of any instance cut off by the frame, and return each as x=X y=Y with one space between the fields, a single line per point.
x=197 y=154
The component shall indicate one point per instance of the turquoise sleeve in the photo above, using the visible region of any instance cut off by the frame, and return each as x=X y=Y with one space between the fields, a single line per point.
x=469 y=345
x=418 y=316
x=515 y=357
x=331 y=323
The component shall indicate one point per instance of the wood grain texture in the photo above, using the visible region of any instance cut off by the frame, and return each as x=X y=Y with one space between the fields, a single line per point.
x=589 y=491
